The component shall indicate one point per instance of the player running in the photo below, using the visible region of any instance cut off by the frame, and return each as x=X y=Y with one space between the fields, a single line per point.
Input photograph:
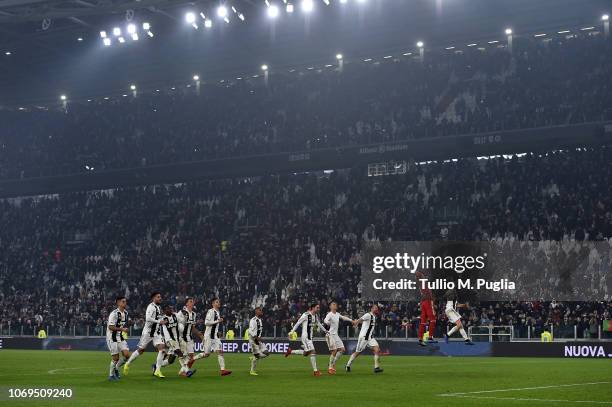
x=454 y=317
x=307 y=322
x=212 y=343
x=334 y=343
x=117 y=321
x=368 y=321
x=171 y=334
x=187 y=320
x=150 y=332
x=257 y=346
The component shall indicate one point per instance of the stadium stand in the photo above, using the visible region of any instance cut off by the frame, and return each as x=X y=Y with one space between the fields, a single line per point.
x=450 y=92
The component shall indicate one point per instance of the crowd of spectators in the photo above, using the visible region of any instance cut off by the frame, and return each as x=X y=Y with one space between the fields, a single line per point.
x=543 y=81
x=283 y=241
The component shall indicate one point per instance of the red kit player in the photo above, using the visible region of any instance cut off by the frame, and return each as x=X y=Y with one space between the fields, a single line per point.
x=428 y=311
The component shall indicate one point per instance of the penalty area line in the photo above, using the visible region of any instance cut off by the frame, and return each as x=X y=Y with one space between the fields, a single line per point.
x=554 y=386
x=533 y=399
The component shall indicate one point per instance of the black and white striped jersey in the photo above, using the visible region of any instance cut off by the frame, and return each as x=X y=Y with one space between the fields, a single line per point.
x=152 y=317
x=170 y=330
x=118 y=319
x=187 y=319
x=212 y=326
x=368 y=326
x=255 y=327
x=307 y=323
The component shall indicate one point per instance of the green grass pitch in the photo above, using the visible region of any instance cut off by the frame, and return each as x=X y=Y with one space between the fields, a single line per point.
x=406 y=381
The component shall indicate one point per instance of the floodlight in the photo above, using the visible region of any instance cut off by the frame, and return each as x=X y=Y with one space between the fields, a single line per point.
x=273 y=11
x=196 y=78
x=420 y=44
x=63 y=97
x=208 y=23
x=190 y=17
x=264 y=67
x=102 y=34
x=131 y=28
x=116 y=31
x=307 y=6
x=146 y=26
x=339 y=57
x=508 y=31
x=107 y=42
x=289 y=8
x=222 y=11
x=605 y=17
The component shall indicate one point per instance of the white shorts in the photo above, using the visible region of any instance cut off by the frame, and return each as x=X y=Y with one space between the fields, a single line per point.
x=145 y=338
x=187 y=347
x=334 y=342
x=363 y=342
x=257 y=349
x=211 y=345
x=308 y=345
x=116 y=348
x=453 y=316
x=172 y=345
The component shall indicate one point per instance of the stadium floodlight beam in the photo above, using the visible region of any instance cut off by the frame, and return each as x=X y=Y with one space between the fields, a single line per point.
x=420 y=44
x=605 y=17
x=273 y=11
x=190 y=17
x=107 y=42
x=264 y=67
x=102 y=34
x=290 y=8
x=222 y=11
x=339 y=57
x=131 y=28
x=508 y=31
x=116 y=31
x=307 y=6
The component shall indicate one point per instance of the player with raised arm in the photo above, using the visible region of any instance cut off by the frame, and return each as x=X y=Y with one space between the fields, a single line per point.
x=117 y=321
x=307 y=322
x=454 y=317
x=150 y=332
x=368 y=321
x=257 y=346
x=334 y=343
x=187 y=328
x=212 y=343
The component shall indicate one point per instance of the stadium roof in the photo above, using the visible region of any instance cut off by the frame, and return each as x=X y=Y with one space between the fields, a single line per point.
x=41 y=55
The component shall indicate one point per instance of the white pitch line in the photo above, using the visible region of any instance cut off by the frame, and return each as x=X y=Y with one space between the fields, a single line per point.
x=521 y=388
x=530 y=399
x=55 y=371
